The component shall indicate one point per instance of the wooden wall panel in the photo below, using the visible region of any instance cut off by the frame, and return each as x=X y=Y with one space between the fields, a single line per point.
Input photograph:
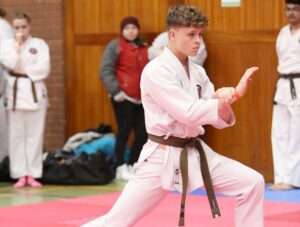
x=104 y=16
x=252 y=15
x=237 y=38
x=87 y=22
x=249 y=140
x=92 y=105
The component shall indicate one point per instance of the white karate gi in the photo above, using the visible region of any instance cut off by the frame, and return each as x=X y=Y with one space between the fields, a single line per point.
x=172 y=108
x=161 y=41
x=6 y=32
x=26 y=123
x=286 y=114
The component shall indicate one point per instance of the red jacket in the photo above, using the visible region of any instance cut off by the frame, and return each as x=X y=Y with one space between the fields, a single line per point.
x=129 y=66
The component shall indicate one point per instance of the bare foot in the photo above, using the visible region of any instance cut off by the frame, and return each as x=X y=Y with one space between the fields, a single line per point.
x=280 y=187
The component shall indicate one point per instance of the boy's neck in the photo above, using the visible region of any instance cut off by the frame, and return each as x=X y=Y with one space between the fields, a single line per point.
x=181 y=57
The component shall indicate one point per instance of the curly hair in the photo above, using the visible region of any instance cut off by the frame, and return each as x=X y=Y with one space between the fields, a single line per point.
x=185 y=15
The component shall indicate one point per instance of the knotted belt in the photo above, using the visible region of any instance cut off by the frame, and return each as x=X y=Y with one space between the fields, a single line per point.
x=185 y=144
x=15 y=87
x=291 y=78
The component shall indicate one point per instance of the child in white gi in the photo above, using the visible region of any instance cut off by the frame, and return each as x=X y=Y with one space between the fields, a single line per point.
x=179 y=99
x=286 y=110
x=27 y=63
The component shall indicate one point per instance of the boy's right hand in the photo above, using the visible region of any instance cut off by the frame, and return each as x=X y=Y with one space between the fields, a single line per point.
x=242 y=86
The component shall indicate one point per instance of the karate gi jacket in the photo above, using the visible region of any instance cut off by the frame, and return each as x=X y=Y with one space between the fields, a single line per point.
x=34 y=60
x=173 y=108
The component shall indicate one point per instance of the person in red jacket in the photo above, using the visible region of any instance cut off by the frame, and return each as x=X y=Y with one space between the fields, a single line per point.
x=122 y=63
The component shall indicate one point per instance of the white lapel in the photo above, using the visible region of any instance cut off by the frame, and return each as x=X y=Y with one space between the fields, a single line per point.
x=180 y=71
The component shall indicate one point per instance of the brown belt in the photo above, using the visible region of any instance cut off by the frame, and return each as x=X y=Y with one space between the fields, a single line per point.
x=185 y=144
x=15 y=88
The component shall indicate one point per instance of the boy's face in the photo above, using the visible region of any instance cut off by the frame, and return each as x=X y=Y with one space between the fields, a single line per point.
x=186 y=40
x=293 y=13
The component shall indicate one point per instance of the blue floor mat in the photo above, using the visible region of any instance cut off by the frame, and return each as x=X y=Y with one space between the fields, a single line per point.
x=290 y=196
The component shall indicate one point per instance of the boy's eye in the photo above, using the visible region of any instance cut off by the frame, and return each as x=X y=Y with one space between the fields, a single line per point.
x=18 y=27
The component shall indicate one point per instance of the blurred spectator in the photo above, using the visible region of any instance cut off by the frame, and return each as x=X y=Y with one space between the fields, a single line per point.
x=123 y=61
x=27 y=63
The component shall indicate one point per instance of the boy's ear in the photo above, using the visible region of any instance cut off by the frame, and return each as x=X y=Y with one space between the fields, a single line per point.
x=171 y=33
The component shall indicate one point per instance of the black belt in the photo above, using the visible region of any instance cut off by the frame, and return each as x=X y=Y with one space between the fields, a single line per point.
x=291 y=78
x=15 y=88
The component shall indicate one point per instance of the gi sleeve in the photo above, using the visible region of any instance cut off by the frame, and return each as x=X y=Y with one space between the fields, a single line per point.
x=8 y=55
x=165 y=90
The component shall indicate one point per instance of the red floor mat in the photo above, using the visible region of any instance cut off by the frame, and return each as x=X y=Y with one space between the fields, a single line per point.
x=73 y=212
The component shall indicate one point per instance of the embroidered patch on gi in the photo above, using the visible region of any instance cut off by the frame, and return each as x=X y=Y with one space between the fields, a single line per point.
x=33 y=50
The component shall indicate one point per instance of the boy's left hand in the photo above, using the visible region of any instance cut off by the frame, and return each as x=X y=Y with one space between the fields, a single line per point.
x=225 y=95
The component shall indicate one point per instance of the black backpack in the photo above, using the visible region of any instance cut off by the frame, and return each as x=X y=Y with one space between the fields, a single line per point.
x=66 y=168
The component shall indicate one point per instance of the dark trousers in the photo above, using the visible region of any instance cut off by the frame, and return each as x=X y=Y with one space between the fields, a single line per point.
x=129 y=116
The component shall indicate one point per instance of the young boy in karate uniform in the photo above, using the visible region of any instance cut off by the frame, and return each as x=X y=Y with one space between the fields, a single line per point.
x=179 y=100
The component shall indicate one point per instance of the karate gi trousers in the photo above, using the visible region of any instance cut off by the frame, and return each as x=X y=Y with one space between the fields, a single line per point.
x=286 y=144
x=144 y=192
x=26 y=132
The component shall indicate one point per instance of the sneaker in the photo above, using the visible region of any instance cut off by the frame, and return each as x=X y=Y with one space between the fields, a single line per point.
x=130 y=169
x=33 y=183
x=20 y=183
x=122 y=173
